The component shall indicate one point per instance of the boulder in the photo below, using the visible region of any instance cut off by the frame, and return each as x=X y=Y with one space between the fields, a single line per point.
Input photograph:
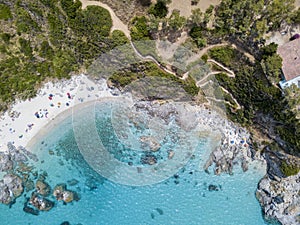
x=6 y=163
x=171 y=154
x=40 y=202
x=14 y=184
x=213 y=187
x=62 y=194
x=149 y=159
x=5 y=196
x=43 y=188
x=150 y=142
x=30 y=210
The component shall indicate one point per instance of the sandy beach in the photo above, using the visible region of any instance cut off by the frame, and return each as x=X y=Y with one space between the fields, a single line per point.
x=55 y=101
x=26 y=118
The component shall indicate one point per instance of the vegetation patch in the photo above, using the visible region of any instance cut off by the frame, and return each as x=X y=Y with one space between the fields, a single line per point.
x=5 y=12
x=289 y=169
x=49 y=39
x=137 y=71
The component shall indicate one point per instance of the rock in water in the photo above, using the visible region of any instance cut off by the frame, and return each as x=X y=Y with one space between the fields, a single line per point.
x=65 y=223
x=30 y=210
x=40 y=202
x=171 y=154
x=10 y=188
x=43 y=188
x=213 y=187
x=61 y=193
x=149 y=159
x=150 y=142
x=160 y=211
x=5 y=162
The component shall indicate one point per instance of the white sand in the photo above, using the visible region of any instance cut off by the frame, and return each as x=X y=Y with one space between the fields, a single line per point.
x=16 y=130
x=83 y=90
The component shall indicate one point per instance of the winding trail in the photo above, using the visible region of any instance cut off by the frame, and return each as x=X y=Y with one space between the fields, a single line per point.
x=149 y=57
x=232 y=74
x=117 y=23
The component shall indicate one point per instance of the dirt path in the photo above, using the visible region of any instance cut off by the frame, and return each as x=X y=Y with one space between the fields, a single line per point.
x=231 y=73
x=149 y=57
x=117 y=23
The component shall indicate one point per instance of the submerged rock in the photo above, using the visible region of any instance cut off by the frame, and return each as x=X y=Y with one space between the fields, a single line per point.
x=72 y=182
x=213 y=187
x=160 y=211
x=30 y=210
x=150 y=142
x=65 y=223
x=171 y=154
x=149 y=159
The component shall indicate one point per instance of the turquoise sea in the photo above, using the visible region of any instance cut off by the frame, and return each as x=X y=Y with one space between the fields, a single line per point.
x=184 y=198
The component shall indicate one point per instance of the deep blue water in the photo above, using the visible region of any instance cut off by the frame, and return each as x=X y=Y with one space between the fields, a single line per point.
x=182 y=199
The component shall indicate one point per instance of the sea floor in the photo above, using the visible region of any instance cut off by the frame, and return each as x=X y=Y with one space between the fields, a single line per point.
x=191 y=196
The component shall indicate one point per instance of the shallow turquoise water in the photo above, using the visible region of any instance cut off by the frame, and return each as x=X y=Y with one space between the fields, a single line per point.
x=181 y=199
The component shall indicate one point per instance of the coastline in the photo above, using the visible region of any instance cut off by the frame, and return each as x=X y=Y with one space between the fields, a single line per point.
x=21 y=124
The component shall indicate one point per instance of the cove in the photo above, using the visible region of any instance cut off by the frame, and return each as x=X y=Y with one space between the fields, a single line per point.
x=189 y=196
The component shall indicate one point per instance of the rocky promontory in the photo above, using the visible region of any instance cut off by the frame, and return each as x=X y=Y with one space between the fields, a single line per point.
x=278 y=194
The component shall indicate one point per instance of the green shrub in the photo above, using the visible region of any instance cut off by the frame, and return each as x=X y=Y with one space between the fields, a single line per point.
x=119 y=38
x=224 y=55
x=289 y=169
x=139 y=30
x=5 y=12
x=25 y=47
x=204 y=57
x=159 y=9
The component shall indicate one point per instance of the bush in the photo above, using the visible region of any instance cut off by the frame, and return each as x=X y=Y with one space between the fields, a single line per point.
x=25 y=47
x=119 y=38
x=289 y=169
x=159 y=9
x=224 y=55
x=97 y=21
x=6 y=37
x=5 y=12
x=139 y=30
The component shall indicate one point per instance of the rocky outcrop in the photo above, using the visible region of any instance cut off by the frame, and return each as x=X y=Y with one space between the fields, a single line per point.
x=13 y=162
x=279 y=196
x=280 y=199
x=10 y=188
x=233 y=150
x=61 y=193
x=43 y=188
x=40 y=202
x=6 y=163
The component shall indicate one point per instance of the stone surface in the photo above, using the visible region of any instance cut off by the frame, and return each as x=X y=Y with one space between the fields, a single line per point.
x=10 y=188
x=61 y=193
x=43 y=188
x=149 y=159
x=40 y=202
x=6 y=163
x=150 y=143
x=280 y=199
